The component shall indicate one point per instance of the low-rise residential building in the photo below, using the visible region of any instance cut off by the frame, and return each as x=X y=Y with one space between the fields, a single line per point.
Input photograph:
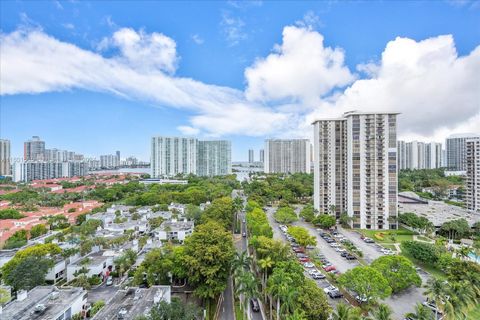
x=46 y=303
x=133 y=302
x=174 y=230
x=58 y=272
x=96 y=263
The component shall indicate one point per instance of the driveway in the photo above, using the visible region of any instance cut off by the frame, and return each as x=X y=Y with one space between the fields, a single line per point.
x=102 y=292
x=370 y=250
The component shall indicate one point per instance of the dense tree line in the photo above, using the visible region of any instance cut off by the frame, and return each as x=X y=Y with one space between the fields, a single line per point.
x=416 y=180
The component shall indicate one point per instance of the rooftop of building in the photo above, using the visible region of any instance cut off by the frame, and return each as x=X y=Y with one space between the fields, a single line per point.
x=133 y=302
x=463 y=135
x=94 y=259
x=42 y=303
x=176 y=225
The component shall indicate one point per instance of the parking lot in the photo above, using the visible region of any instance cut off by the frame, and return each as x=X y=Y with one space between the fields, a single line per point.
x=400 y=303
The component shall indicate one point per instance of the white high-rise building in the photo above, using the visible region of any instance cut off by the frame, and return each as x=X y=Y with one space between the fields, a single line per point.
x=26 y=171
x=251 y=156
x=456 y=151
x=173 y=155
x=109 y=161
x=433 y=155
x=4 y=157
x=214 y=158
x=34 y=149
x=329 y=166
x=401 y=155
x=355 y=168
x=262 y=155
x=415 y=155
x=287 y=155
x=472 y=163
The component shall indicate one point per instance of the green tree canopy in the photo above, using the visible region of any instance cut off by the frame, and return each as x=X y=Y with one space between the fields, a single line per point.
x=285 y=215
x=208 y=256
x=325 y=221
x=28 y=273
x=398 y=271
x=302 y=236
x=367 y=282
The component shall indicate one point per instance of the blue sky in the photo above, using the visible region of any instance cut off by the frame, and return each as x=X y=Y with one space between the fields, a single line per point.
x=72 y=75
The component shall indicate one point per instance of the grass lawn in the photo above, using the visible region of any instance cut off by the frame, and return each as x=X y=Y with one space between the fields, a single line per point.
x=390 y=246
x=422 y=238
x=400 y=235
x=429 y=268
x=474 y=314
x=238 y=313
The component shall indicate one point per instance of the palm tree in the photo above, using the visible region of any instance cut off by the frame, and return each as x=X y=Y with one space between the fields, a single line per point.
x=383 y=312
x=278 y=283
x=289 y=298
x=265 y=265
x=461 y=299
x=463 y=252
x=247 y=287
x=241 y=262
x=421 y=313
x=437 y=291
x=343 y=312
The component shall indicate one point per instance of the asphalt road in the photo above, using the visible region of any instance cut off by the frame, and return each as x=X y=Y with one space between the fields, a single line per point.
x=101 y=293
x=227 y=307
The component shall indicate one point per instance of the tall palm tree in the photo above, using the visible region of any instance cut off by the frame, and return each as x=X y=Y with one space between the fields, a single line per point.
x=247 y=287
x=421 y=313
x=437 y=291
x=278 y=283
x=461 y=298
x=383 y=312
x=265 y=264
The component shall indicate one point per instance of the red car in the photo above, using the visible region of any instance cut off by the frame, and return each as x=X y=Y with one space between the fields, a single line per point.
x=298 y=250
x=329 y=268
x=303 y=260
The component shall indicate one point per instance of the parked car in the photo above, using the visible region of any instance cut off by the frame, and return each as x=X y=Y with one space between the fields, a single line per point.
x=299 y=250
x=344 y=254
x=255 y=305
x=329 y=268
x=303 y=260
x=361 y=299
x=335 y=294
x=301 y=255
x=432 y=306
x=109 y=281
x=308 y=265
x=315 y=274
x=368 y=240
x=244 y=234
x=329 y=288
x=350 y=257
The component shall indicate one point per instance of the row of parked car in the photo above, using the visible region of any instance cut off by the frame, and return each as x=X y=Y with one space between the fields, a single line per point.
x=329 y=238
x=380 y=248
x=302 y=256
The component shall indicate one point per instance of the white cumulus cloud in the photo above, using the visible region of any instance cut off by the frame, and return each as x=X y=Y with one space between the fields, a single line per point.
x=300 y=69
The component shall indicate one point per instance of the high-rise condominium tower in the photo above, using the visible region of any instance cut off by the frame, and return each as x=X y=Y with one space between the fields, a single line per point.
x=214 y=158
x=262 y=155
x=34 y=149
x=4 y=157
x=433 y=155
x=456 y=151
x=287 y=155
x=401 y=155
x=355 y=168
x=472 y=195
x=251 y=156
x=173 y=155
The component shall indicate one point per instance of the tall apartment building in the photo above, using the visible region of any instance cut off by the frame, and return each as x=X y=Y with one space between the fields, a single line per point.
x=26 y=171
x=472 y=194
x=287 y=155
x=433 y=155
x=214 y=158
x=34 y=149
x=4 y=157
x=329 y=148
x=173 y=155
x=109 y=161
x=401 y=155
x=251 y=156
x=262 y=155
x=456 y=151
x=419 y=155
x=355 y=168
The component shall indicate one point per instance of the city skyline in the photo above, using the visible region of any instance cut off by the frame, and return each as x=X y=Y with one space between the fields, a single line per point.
x=120 y=111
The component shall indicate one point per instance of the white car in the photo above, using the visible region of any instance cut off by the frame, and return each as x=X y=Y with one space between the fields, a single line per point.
x=308 y=265
x=329 y=288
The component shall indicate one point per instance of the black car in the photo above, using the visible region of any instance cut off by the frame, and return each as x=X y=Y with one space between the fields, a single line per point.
x=335 y=294
x=255 y=305
x=350 y=257
x=344 y=254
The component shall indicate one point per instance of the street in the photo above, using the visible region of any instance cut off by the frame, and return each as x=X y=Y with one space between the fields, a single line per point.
x=227 y=308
